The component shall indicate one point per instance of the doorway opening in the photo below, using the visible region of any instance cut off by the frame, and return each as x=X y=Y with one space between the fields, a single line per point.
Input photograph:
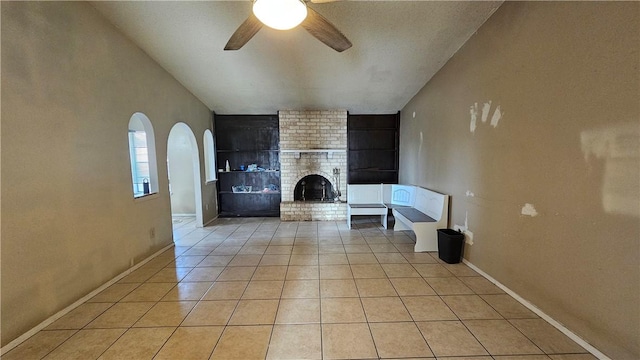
x=183 y=168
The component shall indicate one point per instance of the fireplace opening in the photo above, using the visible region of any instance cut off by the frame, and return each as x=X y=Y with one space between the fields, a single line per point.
x=314 y=188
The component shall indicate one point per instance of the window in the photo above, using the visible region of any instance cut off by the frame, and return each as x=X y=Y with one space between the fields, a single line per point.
x=139 y=161
x=144 y=172
x=209 y=156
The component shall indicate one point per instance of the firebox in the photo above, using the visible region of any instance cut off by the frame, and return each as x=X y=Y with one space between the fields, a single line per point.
x=314 y=188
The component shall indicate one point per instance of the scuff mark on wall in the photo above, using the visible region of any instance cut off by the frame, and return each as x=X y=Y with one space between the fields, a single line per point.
x=470 y=194
x=485 y=111
x=619 y=147
x=468 y=235
x=465 y=227
x=497 y=115
x=529 y=210
x=474 y=117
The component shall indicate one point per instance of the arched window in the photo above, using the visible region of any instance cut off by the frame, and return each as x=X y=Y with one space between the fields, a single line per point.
x=209 y=156
x=142 y=153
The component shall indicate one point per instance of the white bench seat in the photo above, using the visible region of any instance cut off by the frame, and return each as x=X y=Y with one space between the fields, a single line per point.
x=374 y=206
x=414 y=215
x=422 y=211
x=366 y=200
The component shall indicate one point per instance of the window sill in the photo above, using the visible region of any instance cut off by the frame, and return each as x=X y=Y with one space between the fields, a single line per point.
x=211 y=181
x=146 y=197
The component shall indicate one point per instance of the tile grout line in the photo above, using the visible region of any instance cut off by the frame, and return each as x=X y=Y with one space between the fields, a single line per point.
x=22 y=338
x=320 y=307
x=196 y=304
x=146 y=312
x=205 y=293
x=275 y=316
x=235 y=308
x=306 y=235
x=160 y=300
x=595 y=352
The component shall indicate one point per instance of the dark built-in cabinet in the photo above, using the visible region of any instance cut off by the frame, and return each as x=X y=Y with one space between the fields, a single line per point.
x=243 y=140
x=373 y=142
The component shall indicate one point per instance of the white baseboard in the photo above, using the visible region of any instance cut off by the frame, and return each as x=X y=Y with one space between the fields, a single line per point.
x=183 y=215
x=81 y=301
x=580 y=341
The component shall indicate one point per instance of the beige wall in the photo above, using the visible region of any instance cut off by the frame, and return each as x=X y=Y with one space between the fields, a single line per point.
x=566 y=79
x=71 y=82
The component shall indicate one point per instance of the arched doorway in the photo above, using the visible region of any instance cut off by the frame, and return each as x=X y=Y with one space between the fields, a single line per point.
x=183 y=165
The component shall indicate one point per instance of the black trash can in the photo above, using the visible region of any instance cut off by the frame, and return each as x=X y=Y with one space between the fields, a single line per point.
x=450 y=245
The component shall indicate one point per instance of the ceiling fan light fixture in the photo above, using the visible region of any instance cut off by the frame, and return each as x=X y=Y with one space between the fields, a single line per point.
x=280 y=14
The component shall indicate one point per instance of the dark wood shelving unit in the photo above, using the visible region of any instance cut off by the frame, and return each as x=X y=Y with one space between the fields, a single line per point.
x=373 y=153
x=245 y=140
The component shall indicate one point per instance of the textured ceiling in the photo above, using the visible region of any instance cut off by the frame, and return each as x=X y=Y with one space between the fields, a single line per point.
x=397 y=47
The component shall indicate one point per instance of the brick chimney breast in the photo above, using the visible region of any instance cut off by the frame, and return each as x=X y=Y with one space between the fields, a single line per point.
x=304 y=137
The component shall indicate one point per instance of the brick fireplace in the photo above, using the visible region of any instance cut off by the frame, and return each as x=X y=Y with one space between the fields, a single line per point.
x=313 y=143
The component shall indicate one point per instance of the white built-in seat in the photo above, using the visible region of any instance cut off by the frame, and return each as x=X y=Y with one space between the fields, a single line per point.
x=414 y=208
x=421 y=210
x=366 y=200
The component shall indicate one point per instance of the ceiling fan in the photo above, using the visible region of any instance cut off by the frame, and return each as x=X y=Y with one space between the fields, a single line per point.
x=284 y=15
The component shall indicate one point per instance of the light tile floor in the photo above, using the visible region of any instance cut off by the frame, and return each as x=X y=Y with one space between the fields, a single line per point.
x=258 y=288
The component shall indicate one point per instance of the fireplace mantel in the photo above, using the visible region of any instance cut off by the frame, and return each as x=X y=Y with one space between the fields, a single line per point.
x=297 y=152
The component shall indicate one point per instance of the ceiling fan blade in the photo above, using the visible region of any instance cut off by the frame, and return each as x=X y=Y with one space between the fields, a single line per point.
x=324 y=31
x=244 y=33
